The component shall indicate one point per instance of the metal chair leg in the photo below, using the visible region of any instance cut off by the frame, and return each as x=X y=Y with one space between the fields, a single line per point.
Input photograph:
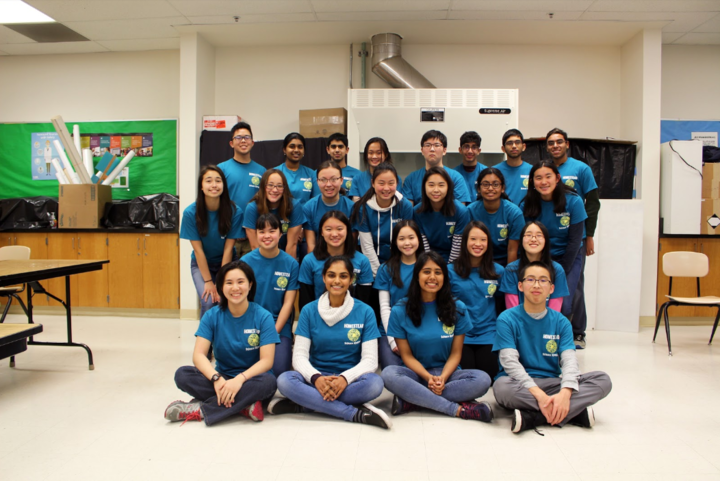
x=7 y=308
x=717 y=318
x=667 y=330
x=657 y=322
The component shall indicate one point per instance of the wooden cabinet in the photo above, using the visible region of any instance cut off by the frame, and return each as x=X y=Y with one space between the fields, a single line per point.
x=89 y=289
x=125 y=270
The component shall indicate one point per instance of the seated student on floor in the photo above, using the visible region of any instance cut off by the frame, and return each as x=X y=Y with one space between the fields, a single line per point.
x=392 y=282
x=535 y=246
x=243 y=338
x=540 y=378
x=335 y=355
x=429 y=327
x=276 y=274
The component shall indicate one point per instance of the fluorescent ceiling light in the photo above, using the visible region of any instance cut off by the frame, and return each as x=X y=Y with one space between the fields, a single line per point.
x=17 y=11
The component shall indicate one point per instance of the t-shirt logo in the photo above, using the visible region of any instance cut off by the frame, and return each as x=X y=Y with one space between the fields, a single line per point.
x=448 y=330
x=452 y=229
x=565 y=220
x=285 y=227
x=551 y=346
x=282 y=282
x=570 y=183
x=255 y=180
x=354 y=279
x=491 y=289
x=503 y=232
x=353 y=335
x=254 y=340
x=308 y=185
x=348 y=184
x=526 y=181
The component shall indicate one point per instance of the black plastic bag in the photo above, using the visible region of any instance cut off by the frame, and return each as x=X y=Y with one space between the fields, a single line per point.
x=28 y=213
x=159 y=211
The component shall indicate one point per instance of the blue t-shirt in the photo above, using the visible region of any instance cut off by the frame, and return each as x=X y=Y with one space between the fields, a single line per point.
x=504 y=225
x=558 y=225
x=315 y=208
x=302 y=182
x=430 y=343
x=363 y=181
x=479 y=296
x=439 y=230
x=338 y=348
x=349 y=173
x=539 y=341
x=273 y=278
x=516 y=180
x=243 y=180
x=412 y=188
x=368 y=222
x=236 y=341
x=578 y=175
x=311 y=272
x=213 y=244
x=384 y=282
x=509 y=283
x=296 y=218
x=470 y=179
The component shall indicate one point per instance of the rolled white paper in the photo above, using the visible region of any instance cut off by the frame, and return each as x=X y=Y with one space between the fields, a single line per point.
x=72 y=177
x=60 y=177
x=72 y=152
x=76 y=137
x=88 y=161
x=58 y=170
x=61 y=152
x=123 y=163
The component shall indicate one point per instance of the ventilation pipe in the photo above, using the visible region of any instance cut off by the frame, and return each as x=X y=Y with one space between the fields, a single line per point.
x=389 y=65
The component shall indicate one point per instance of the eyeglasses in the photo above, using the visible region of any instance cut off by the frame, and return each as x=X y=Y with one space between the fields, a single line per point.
x=278 y=187
x=544 y=281
x=332 y=180
x=432 y=146
x=240 y=138
x=487 y=185
x=529 y=236
x=556 y=142
x=514 y=142
x=473 y=148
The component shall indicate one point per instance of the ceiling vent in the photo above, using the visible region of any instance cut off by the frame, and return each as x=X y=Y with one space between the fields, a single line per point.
x=389 y=65
x=47 y=32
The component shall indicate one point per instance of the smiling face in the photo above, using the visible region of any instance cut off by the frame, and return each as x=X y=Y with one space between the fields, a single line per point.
x=337 y=151
x=268 y=237
x=436 y=188
x=430 y=278
x=533 y=240
x=407 y=241
x=337 y=279
x=334 y=232
x=212 y=185
x=470 y=152
x=294 y=151
x=557 y=146
x=536 y=285
x=477 y=243
x=491 y=187
x=385 y=186
x=545 y=182
x=375 y=155
x=236 y=287
x=274 y=188
x=330 y=181
x=242 y=142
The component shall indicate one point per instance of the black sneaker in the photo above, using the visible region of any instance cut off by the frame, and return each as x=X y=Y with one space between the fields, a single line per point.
x=579 y=341
x=369 y=414
x=526 y=420
x=479 y=411
x=586 y=419
x=282 y=405
x=400 y=406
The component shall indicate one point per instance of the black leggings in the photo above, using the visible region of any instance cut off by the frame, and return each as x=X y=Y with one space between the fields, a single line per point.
x=480 y=356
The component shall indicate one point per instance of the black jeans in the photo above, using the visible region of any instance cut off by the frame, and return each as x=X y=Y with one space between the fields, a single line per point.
x=480 y=356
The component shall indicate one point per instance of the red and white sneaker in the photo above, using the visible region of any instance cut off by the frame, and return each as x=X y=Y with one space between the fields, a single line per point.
x=184 y=411
x=254 y=412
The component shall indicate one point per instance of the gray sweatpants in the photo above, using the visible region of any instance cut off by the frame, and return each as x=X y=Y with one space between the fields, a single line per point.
x=593 y=386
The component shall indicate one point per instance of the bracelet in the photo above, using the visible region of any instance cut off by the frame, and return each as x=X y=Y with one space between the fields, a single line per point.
x=208 y=281
x=243 y=375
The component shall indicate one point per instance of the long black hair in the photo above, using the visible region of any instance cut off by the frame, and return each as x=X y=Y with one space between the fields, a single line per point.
x=358 y=212
x=321 y=249
x=383 y=146
x=220 y=280
x=533 y=200
x=448 y=207
x=333 y=259
x=393 y=263
x=446 y=309
x=545 y=256
x=463 y=265
x=226 y=210
x=491 y=171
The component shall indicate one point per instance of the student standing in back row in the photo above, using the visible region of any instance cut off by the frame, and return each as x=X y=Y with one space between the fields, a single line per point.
x=337 y=149
x=516 y=172
x=376 y=152
x=242 y=173
x=469 y=169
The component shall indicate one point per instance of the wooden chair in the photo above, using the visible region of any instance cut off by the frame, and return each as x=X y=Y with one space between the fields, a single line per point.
x=685 y=264
x=13 y=253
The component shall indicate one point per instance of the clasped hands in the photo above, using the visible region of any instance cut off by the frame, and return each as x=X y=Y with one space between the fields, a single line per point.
x=436 y=384
x=330 y=387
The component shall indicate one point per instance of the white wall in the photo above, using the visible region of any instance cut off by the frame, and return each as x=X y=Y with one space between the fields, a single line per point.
x=691 y=82
x=86 y=87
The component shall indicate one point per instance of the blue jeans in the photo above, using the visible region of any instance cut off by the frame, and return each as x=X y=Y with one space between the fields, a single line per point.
x=283 y=356
x=573 y=306
x=200 y=284
x=193 y=382
x=386 y=354
x=463 y=385
x=364 y=389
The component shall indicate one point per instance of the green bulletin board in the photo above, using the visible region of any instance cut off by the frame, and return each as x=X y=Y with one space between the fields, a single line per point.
x=147 y=175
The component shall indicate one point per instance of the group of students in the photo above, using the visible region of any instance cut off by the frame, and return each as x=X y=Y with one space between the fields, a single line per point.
x=400 y=275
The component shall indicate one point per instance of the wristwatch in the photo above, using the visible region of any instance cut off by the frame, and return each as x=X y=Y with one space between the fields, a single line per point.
x=215 y=377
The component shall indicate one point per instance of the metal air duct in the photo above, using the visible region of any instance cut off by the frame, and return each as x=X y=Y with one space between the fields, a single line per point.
x=389 y=65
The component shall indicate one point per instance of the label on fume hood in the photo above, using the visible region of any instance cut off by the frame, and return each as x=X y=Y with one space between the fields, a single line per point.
x=432 y=115
x=495 y=111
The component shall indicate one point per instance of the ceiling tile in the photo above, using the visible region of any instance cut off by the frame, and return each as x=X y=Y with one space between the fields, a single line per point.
x=380 y=16
x=677 y=21
x=10 y=36
x=85 y=10
x=525 y=15
x=711 y=26
x=670 y=37
x=141 y=44
x=52 y=48
x=210 y=8
x=128 y=29
x=699 y=39
x=655 y=6
x=268 y=18
x=522 y=5
x=323 y=6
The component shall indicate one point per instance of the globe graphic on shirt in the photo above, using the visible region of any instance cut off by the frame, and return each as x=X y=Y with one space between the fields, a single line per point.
x=253 y=340
x=452 y=229
x=503 y=232
x=491 y=289
x=449 y=330
x=353 y=335
x=570 y=183
x=526 y=181
x=551 y=346
x=282 y=282
x=308 y=185
x=348 y=184
x=255 y=180
x=565 y=220
x=285 y=227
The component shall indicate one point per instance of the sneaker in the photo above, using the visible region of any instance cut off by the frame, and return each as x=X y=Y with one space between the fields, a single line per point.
x=479 y=411
x=579 y=341
x=254 y=412
x=526 y=420
x=369 y=414
x=282 y=405
x=586 y=419
x=399 y=406
x=182 y=411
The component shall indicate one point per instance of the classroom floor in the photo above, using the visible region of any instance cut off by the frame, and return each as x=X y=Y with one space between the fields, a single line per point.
x=58 y=420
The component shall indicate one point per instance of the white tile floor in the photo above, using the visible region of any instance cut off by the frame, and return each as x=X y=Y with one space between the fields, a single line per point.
x=58 y=420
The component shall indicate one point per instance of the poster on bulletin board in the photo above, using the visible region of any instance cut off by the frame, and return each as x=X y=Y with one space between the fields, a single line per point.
x=28 y=149
x=703 y=130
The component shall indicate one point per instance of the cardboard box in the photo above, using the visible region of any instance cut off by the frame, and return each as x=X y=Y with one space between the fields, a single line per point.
x=323 y=122
x=220 y=122
x=711 y=181
x=82 y=206
x=710 y=217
